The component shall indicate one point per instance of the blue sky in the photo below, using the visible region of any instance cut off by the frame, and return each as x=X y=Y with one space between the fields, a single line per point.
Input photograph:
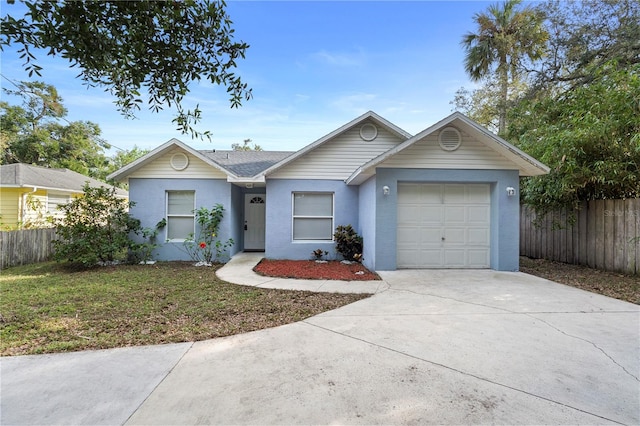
x=313 y=67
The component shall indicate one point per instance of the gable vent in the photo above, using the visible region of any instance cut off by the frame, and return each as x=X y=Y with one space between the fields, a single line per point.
x=368 y=132
x=179 y=161
x=450 y=139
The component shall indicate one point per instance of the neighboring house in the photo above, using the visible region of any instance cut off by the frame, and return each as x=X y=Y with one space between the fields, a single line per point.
x=29 y=194
x=444 y=198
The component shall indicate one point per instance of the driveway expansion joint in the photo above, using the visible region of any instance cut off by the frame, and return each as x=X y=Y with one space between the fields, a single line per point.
x=178 y=361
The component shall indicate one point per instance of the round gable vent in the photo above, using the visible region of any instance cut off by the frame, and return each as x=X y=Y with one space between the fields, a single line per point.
x=179 y=161
x=368 y=132
x=450 y=139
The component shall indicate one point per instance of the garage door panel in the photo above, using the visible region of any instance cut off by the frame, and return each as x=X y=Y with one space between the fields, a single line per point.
x=409 y=214
x=478 y=236
x=478 y=258
x=430 y=194
x=454 y=236
x=454 y=214
x=410 y=193
x=429 y=258
x=409 y=237
x=478 y=214
x=454 y=194
x=431 y=215
x=478 y=193
x=430 y=236
x=459 y=213
x=454 y=258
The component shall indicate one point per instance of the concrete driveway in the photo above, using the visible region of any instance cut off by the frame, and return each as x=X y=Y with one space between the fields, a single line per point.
x=435 y=347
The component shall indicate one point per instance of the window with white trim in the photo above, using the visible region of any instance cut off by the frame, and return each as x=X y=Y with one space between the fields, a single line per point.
x=180 y=217
x=312 y=216
x=54 y=201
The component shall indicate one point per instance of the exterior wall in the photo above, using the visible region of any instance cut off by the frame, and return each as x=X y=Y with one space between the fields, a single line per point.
x=427 y=153
x=367 y=219
x=33 y=207
x=150 y=198
x=235 y=212
x=336 y=159
x=280 y=244
x=505 y=210
x=9 y=207
x=161 y=168
x=16 y=211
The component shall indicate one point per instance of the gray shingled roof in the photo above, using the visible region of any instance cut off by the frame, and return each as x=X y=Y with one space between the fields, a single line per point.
x=20 y=175
x=246 y=163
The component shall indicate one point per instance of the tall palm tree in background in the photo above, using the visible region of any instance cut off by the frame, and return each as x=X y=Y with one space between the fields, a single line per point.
x=504 y=37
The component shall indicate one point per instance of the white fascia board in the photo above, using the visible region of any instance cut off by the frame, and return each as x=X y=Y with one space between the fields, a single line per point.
x=539 y=168
x=370 y=114
x=38 y=187
x=254 y=179
x=133 y=166
x=393 y=151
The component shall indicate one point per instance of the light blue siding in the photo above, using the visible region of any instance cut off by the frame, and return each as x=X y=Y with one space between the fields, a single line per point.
x=367 y=219
x=280 y=244
x=504 y=254
x=149 y=195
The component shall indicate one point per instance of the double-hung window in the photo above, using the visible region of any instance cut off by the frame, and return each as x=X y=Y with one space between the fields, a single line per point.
x=312 y=216
x=54 y=201
x=180 y=217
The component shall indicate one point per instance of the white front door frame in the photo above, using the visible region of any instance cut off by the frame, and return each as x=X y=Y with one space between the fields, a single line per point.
x=254 y=222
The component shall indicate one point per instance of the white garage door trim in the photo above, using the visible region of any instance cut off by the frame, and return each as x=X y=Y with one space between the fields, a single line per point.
x=443 y=225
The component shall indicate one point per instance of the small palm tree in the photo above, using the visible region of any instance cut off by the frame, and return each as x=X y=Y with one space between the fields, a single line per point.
x=504 y=37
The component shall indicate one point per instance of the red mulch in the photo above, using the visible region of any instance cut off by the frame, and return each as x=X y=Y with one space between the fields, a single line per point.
x=311 y=270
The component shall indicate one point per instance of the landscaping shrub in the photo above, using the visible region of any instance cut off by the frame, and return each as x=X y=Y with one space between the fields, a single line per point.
x=95 y=228
x=348 y=243
x=204 y=247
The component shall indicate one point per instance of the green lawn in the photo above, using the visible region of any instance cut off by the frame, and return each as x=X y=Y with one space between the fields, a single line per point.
x=45 y=308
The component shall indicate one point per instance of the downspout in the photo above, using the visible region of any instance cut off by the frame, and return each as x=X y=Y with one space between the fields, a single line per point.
x=23 y=213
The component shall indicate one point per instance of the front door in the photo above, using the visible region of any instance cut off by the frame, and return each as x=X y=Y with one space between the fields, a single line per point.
x=254 y=221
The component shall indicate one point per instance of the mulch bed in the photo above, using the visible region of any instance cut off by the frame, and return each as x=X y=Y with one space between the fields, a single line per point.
x=312 y=270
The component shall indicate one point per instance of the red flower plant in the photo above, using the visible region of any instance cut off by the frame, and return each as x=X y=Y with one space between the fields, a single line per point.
x=203 y=245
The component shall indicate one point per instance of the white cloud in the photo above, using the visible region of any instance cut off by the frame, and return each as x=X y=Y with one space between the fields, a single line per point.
x=355 y=103
x=353 y=59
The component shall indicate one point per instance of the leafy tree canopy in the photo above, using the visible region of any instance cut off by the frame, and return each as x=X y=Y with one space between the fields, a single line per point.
x=246 y=146
x=584 y=36
x=131 y=47
x=505 y=36
x=578 y=107
x=37 y=133
x=589 y=136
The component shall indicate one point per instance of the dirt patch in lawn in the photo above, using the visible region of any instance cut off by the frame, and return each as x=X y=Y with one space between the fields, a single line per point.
x=618 y=286
x=312 y=270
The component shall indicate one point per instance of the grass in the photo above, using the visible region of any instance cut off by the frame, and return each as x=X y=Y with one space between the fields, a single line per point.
x=45 y=308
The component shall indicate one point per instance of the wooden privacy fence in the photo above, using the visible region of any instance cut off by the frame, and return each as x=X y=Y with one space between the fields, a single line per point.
x=26 y=246
x=605 y=235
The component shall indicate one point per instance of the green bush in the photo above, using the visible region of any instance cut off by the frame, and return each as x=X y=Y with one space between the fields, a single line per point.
x=204 y=246
x=348 y=243
x=95 y=228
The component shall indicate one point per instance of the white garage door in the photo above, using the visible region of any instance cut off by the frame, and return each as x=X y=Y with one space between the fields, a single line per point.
x=443 y=225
